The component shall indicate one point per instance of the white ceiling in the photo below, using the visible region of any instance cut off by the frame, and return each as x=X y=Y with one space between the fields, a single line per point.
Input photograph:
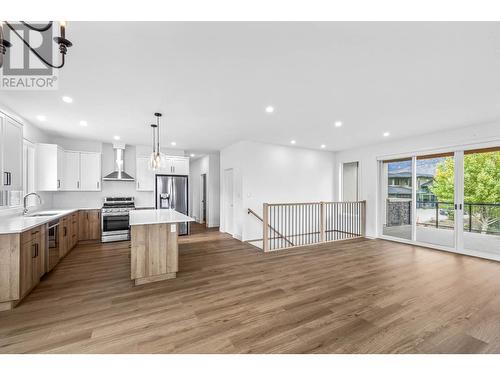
x=212 y=81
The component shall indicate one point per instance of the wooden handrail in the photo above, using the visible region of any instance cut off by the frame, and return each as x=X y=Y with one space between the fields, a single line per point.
x=250 y=211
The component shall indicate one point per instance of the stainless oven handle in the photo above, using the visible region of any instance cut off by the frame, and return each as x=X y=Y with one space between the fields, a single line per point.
x=115 y=214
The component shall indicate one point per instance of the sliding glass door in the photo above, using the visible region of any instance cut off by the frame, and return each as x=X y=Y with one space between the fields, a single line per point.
x=481 y=209
x=435 y=197
x=397 y=199
x=451 y=200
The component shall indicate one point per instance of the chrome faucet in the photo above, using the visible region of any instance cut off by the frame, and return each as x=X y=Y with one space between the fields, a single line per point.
x=25 y=199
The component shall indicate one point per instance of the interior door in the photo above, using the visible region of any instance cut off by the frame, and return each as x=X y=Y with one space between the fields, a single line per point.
x=228 y=201
x=350 y=182
x=204 y=198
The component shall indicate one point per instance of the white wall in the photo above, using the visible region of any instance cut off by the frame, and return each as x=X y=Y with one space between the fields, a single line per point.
x=265 y=173
x=477 y=135
x=209 y=165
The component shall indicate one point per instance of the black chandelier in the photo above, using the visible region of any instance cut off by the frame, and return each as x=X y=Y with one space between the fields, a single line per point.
x=64 y=43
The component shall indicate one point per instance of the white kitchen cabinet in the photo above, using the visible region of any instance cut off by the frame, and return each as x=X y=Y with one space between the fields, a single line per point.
x=58 y=169
x=50 y=167
x=90 y=171
x=144 y=177
x=11 y=153
x=177 y=165
x=71 y=175
x=29 y=167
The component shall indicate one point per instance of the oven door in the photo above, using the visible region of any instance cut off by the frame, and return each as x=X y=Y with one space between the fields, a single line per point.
x=115 y=223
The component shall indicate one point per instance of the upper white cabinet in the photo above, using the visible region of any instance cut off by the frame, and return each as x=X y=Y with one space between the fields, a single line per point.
x=71 y=175
x=90 y=171
x=50 y=167
x=177 y=165
x=11 y=153
x=58 y=169
x=144 y=177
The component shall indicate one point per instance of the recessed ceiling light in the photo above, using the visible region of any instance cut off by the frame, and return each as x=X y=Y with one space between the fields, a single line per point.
x=83 y=123
x=338 y=124
x=192 y=155
x=386 y=134
x=116 y=137
x=269 y=109
x=323 y=146
x=67 y=99
x=293 y=141
x=173 y=143
x=41 y=118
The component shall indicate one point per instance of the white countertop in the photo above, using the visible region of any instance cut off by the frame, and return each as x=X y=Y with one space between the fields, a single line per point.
x=164 y=216
x=21 y=223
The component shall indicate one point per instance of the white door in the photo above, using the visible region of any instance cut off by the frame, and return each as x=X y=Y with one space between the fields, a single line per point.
x=71 y=175
x=350 y=182
x=228 y=201
x=90 y=166
x=12 y=155
x=145 y=178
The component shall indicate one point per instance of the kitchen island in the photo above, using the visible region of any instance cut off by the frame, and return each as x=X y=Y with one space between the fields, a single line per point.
x=154 y=248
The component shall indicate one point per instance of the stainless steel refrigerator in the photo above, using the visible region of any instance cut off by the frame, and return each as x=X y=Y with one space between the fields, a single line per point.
x=172 y=192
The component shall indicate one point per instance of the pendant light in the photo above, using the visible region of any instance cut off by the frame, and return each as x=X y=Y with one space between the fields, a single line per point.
x=156 y=160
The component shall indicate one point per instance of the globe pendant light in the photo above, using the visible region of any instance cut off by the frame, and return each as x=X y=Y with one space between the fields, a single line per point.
x=156 y=160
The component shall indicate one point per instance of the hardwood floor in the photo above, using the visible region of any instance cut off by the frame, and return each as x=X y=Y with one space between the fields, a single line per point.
x=359 y=296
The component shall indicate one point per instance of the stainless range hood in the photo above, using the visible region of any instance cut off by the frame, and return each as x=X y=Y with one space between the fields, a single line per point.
x=119 y=174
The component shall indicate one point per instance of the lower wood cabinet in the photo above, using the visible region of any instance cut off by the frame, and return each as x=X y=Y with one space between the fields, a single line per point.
x=22 y=263
x=23 y=255
x=74 y=229
x=68 y=233
x=64 y=245
x=89 y=225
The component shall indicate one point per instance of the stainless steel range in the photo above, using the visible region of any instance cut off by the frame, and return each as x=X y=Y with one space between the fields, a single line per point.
x=115 y=218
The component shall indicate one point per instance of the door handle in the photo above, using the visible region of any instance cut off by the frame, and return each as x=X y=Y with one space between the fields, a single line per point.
x=7 y=178
x=78 y=184
x=33 y=251
x=98 y=184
